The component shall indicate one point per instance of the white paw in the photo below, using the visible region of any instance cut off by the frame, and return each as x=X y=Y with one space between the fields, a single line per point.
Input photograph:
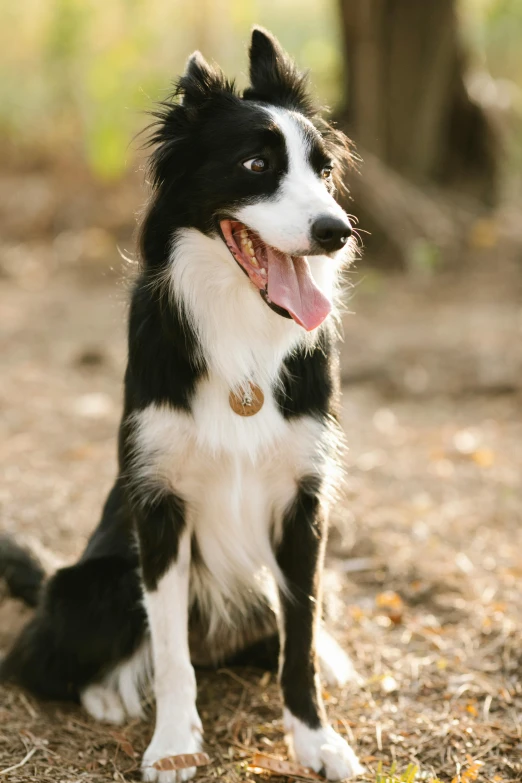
x=180 y=735
x=118 y=695
x=335 y=666
x=323 y=750
x=103 y=703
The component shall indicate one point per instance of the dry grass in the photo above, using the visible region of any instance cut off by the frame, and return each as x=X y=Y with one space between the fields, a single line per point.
x=423 y=584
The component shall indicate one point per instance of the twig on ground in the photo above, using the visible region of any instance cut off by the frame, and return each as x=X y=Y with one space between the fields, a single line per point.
x=21 y=763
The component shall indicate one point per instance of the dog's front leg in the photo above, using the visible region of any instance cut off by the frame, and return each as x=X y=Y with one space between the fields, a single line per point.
x=165 y=563
x=311 y=740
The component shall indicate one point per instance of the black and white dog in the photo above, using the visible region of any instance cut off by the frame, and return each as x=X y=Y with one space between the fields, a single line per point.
x=228 y=440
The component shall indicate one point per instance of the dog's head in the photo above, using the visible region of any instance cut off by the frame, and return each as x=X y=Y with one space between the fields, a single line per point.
x=257 y=170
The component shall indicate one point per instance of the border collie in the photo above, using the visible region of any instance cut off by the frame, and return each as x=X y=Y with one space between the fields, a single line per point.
x=213 y=535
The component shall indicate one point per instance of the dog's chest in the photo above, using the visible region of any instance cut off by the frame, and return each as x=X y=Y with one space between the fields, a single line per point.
x=214 y=458
x=236 y=476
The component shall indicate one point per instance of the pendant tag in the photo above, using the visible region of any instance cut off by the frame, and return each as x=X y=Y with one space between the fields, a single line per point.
x=247 y=401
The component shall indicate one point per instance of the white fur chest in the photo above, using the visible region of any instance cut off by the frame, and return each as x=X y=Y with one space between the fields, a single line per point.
x=236 y=476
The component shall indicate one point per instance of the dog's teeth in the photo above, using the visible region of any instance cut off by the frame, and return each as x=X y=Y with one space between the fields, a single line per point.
x=248 y=248
x=263 y=272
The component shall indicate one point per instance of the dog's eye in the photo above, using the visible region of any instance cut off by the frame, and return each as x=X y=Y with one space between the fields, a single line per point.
x=326 y=172
x=257 y=165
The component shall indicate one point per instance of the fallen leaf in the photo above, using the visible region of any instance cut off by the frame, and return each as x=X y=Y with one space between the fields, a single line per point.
x=281 y=767
x=483 y=457
x=389 y=600
x=356 y=613
x=471 y=773
x=124 y=744
x=483 y=233
x=392 y=604
x=182 y=761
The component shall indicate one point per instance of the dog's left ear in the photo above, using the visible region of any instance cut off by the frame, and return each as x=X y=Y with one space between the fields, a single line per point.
x=274 y=77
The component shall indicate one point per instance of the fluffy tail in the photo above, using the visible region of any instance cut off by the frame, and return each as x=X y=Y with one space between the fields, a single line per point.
x=21 y=571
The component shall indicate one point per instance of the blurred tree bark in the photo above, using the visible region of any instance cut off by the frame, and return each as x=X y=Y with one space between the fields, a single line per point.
x=406 y=104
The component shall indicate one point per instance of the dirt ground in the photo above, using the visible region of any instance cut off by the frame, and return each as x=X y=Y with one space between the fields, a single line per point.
x=425 y=565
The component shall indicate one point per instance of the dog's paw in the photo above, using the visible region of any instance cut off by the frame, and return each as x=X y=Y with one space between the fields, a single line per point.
x=180 y=735
x=335 y=666
x=119 y=695
x=103 y=703
x=323 y=750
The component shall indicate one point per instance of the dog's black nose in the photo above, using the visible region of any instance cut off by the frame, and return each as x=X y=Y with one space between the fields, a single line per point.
x=331 y=233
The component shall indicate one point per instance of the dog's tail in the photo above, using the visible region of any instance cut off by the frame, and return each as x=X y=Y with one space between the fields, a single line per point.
x=21 y=571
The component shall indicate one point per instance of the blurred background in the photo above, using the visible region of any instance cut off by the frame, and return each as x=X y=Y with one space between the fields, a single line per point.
x=424 y=565
x=431 y=92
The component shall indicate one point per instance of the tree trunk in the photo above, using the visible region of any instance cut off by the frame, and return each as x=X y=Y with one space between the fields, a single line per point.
x=406 y=102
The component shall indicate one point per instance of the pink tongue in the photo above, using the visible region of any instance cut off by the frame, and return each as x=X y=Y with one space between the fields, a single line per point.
x=292 y=287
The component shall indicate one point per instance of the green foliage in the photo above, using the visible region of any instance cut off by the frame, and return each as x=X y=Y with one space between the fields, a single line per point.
x=494 y=28
x=77 y=75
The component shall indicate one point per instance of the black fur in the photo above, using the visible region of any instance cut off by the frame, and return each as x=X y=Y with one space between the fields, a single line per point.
x=159 y=525
x=274 y=77
x=21 y=571
x=162 y=367
x=310 y=380
x=91 y=615
x=300 y=557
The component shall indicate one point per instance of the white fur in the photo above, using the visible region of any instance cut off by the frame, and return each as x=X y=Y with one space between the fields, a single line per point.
x=240 y=336
x=236 y=476
x=284 y=221
x=178 y=726
x=103 y=703
x=119 y=694
x=335 y=666
x=320 y=749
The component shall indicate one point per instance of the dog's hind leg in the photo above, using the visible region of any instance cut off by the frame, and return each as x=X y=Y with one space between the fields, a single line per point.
x=335 y=665
x=119 y=694
x=90 y=620
x=87 y=639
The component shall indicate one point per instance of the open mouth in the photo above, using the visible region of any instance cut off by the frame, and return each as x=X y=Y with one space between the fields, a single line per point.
x=284 y=281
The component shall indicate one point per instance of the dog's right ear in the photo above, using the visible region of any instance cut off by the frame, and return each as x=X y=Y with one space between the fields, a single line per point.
x=200 y=81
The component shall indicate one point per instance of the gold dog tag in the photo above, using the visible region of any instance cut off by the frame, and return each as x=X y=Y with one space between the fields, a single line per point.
x=247 y=401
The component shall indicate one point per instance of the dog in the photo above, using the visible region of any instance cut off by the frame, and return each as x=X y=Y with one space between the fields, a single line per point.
x=212 y=538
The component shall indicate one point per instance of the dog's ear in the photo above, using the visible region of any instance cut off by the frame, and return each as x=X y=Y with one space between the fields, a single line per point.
x=274 y=77
x=200 y=81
